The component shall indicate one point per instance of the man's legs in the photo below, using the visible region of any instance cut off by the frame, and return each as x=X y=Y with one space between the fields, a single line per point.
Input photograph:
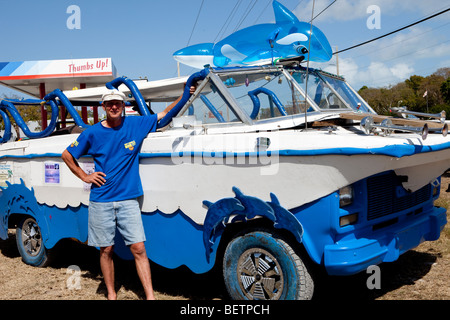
x=107 y=266
x=143 y=268
x=102 y=227
x=129 y=223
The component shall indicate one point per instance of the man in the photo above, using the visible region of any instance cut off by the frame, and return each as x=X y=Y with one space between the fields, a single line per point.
x=114 y=144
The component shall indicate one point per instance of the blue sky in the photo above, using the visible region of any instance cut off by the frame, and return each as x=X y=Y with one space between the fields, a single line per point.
x=140 y=36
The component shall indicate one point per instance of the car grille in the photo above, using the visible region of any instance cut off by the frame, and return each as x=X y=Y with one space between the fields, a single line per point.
x=382 y=196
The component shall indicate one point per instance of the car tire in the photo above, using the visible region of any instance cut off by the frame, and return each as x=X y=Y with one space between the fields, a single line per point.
x=261 y=265
x=30 y=243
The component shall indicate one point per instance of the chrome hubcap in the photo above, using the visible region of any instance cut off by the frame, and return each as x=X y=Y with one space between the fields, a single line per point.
x=260 y=275
x=31 y=237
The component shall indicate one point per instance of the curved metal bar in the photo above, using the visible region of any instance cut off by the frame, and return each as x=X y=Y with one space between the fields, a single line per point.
x=57 y=93
x=7 y=122
x=198 y=76
x=212 y=108
x=257 y=104
x=9 y=105
x=114 y=84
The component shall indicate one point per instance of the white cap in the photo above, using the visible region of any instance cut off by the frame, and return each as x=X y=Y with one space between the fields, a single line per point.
x=113 y=95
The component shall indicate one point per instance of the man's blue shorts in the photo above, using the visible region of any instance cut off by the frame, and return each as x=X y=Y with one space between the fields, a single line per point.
x=105 y=217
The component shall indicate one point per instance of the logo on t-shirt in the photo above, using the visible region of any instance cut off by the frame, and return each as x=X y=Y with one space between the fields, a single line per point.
x=74 y=144
x=130 y=145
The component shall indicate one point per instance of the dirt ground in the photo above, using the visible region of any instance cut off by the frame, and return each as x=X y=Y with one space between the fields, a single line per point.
x=421 y=274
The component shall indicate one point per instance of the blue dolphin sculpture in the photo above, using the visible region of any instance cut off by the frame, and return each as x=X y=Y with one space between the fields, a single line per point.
x=253 y=206
x=261 y=44
x=285 y=219
x=216 y=215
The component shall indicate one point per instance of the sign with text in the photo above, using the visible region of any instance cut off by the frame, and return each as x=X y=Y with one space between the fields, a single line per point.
x=45 y=69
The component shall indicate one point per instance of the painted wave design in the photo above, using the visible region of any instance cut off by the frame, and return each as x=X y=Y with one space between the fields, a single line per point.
x=172 y=240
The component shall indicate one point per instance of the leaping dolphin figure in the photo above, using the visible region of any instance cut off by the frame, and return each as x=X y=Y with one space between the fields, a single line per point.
x=261 y=44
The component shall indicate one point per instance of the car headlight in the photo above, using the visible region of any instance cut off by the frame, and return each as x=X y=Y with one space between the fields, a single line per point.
x=348 y=220
x=345 y=196
x=436 y=187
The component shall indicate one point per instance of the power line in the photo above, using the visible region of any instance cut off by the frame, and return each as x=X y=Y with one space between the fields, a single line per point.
x=323 y=10
x=267 y=5
x=371 y=51
x=395 y=31
x=297 y=6
x=403 y=55
x=196 y=20
x=246 y=13
x=227 y=22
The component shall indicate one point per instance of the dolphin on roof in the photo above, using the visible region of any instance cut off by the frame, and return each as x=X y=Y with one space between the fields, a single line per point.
x=261 y=44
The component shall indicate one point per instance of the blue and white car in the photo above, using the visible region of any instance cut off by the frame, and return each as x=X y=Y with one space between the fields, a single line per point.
x=263 y=170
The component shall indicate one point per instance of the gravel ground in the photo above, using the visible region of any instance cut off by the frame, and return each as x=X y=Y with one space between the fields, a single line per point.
x=421 y=274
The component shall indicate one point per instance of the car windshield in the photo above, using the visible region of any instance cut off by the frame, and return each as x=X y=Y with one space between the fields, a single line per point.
x=319 y=91
x=265 y=95
x=350 y=96
x=272 y=93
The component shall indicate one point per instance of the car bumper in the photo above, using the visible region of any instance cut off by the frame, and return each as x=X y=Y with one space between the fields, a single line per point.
x=353 y=256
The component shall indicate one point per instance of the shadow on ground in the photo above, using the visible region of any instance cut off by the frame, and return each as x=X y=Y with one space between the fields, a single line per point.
x=181 y=283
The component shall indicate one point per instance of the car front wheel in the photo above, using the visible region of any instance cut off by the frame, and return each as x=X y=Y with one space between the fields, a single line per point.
x=30 y=243
x=261 y=265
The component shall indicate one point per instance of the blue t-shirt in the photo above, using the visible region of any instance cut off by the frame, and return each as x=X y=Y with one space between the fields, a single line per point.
x=116 y=153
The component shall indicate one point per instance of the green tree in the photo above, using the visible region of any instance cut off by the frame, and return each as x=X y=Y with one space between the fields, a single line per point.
x=28 y=113
x=445 y=91
x=414 y=83
x=443 y=72
x=411 y=93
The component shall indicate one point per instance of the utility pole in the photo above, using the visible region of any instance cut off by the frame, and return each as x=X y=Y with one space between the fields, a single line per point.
x=337 y=61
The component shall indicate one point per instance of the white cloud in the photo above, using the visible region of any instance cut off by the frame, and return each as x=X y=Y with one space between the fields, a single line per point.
x=375 y=75
x=401 y=71
x=415 y=43
x=390 y=60
x=396 y=58
x=347 y=10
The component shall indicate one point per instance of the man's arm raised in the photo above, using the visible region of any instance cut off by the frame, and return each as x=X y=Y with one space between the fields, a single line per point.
x=162 y=114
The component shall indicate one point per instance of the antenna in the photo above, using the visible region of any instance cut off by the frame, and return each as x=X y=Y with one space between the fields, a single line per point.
x=307 y=66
